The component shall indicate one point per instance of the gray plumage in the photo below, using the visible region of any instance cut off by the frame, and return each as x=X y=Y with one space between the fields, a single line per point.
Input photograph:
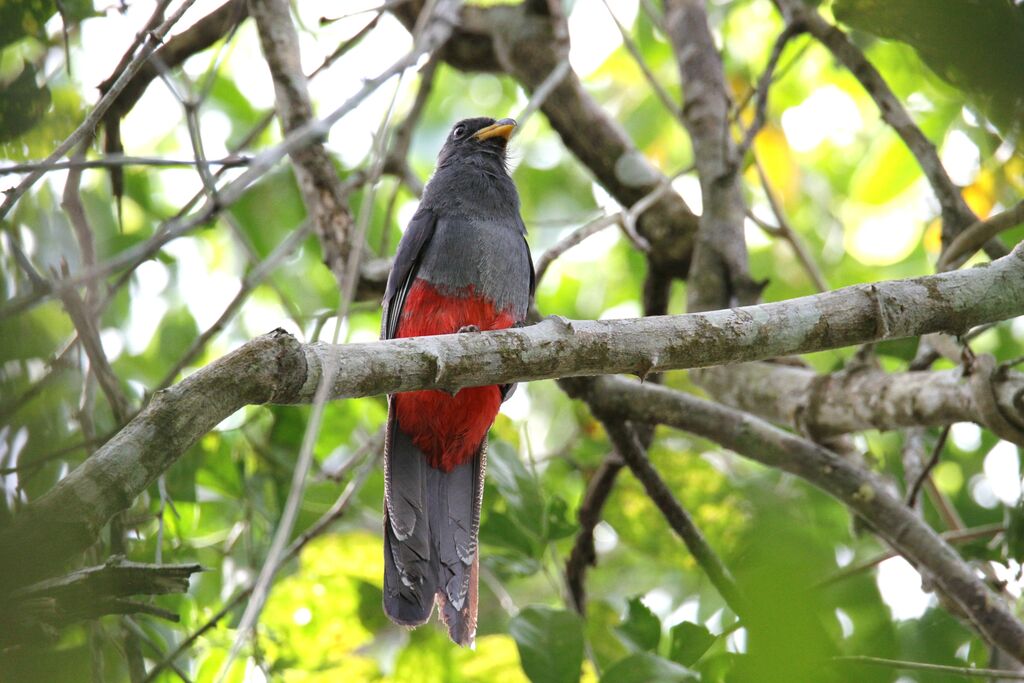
x=466 y=233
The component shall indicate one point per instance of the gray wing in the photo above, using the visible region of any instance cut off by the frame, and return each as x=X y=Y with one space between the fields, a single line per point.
x=403 y=269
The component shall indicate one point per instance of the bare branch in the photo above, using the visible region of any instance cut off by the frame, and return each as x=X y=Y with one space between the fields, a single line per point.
x=761 y=92
x=249 y=283
x=956 y=215
x=314 y=170
x=719 y=276
x=277 y=369
x=112 y=160
x=786 y=232
x=965 y=671
x=926 y=471
x=583 y=553
x=856 y=400
x=976 y=235
x=952 y=537
x=634 y=50
x=48 y=606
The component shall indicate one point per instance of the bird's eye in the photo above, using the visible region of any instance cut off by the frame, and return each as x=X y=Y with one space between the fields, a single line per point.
x=459 y=131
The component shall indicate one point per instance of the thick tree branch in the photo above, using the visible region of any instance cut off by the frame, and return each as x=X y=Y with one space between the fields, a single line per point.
x=719 y=275
x=318 y=181
x=852 y=401
x=277 y=369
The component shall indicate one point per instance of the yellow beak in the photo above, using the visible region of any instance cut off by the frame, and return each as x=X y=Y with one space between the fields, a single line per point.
x=502 y=128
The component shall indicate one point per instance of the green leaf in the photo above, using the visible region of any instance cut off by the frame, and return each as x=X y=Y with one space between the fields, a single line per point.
x=22 y=104
x=499 y=529
x=560 y=524
x=550 y=643
x=643 y=667
x=177 y=331
x=689 y=642
x=517 y=487
x=977 y=47
x=640 y=629
x=605 y=643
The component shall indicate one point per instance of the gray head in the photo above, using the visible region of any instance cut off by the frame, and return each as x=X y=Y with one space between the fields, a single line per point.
x=481 y=138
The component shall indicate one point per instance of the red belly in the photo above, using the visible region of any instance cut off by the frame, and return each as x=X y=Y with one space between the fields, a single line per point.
x=448 y=429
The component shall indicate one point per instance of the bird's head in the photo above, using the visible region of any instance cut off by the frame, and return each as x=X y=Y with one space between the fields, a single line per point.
x=477 y=137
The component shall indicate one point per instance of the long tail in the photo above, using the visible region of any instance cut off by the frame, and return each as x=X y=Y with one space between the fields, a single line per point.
x=431 y=522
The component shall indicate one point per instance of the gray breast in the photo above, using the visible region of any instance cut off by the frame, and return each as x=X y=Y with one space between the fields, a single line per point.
x=485 y=252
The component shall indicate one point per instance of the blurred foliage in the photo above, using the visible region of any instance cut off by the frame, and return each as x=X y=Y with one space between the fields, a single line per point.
x=850 y=190
x=986 y=62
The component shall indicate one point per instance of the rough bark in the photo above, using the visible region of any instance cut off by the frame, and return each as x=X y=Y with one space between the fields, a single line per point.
x=719 y=275
x=318 y=181
x=859 y=399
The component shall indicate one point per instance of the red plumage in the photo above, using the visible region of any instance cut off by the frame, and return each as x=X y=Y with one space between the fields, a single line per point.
x=448 y=429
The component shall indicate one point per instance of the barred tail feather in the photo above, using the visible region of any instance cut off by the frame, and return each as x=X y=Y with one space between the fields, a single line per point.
x=431 y=524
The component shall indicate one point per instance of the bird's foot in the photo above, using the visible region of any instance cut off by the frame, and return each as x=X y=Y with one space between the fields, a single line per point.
x=468 y=328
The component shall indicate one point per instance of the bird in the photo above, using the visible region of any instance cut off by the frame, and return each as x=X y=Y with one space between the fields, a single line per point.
x=462 y=265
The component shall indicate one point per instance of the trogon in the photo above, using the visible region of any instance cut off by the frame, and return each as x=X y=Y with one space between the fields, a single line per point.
x=463 y=265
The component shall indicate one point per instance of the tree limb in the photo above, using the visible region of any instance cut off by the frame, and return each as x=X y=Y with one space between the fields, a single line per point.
x=719 y=275
x=318 y=181
x=43 y=608
x=851 y=401
x=276 y=368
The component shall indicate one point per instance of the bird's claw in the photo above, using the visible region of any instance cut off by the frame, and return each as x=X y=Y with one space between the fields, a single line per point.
x=468 y=328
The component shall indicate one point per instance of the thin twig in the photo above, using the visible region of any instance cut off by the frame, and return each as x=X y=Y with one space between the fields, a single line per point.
x=977 y=234
x=540 y=95
x=956 y=214
x=141 y=635
x=928 y=467
x=627 y=445
x=572 y=239
x=786 y=232
x=669 y=103
x=397 y=161
x=336 y=511
x=87 y=127
x=969 y=671
x=761 y=92
x=583 y=553
x=249 y=283
x=112 y=160
x=952 y=537
x=226 y=196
